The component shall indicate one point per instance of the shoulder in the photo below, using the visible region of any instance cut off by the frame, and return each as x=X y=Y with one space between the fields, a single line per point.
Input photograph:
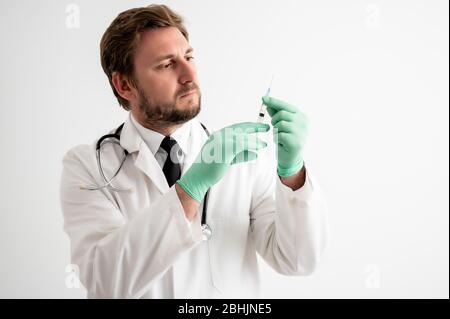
x=84 y=151
x=78 y=159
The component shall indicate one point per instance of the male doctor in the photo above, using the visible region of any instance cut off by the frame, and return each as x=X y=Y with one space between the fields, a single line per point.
x=146 y=240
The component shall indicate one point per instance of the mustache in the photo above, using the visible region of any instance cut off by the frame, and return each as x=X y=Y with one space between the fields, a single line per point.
x=187 y=88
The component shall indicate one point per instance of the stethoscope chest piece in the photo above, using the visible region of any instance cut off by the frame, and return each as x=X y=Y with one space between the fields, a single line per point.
x=206 y=232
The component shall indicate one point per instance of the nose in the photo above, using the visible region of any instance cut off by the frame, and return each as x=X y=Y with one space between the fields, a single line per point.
x=188 y=72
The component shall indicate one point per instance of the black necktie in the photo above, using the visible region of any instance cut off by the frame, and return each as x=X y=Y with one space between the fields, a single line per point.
x=171 y=170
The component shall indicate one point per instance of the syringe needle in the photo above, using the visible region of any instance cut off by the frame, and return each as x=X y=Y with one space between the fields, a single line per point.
x=270 y=85
x=263 y=108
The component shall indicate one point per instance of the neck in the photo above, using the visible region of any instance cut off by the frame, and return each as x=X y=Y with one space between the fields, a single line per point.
x=163 y=128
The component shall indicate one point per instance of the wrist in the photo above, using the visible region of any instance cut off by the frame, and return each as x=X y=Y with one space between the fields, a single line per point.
x=291 y=170
x=295 y=181
x=190 y=205
x=195 y=195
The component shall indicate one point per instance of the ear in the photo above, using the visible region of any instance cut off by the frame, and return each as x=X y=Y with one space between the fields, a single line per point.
x=123 y=86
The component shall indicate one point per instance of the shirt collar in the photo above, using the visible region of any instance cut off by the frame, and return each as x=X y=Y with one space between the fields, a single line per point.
x=153 y=139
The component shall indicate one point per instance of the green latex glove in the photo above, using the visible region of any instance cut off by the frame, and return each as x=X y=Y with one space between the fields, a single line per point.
x=230 y=145
x=290 y=128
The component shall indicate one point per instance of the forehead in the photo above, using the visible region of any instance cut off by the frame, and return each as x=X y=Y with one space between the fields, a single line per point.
x=156 y=42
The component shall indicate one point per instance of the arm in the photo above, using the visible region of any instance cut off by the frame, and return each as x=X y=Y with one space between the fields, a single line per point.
x=289 y=228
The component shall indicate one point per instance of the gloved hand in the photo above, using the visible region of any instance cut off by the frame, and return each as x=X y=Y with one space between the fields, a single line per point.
x=230 y=145
x=290 y=128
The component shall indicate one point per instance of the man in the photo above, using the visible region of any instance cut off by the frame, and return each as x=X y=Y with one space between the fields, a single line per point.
x=141 y=236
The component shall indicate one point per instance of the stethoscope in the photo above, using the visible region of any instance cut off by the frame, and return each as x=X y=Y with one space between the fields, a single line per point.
x=115 y=139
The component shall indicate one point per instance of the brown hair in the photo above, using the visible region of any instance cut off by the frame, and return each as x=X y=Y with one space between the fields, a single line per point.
x=119 y=42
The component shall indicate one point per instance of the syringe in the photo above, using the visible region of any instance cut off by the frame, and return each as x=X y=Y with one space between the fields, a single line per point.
x=263 y=109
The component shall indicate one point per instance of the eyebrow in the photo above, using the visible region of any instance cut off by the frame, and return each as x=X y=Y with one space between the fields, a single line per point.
x=170 y=56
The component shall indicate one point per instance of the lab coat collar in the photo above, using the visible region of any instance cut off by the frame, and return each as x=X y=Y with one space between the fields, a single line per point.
x=129 y=137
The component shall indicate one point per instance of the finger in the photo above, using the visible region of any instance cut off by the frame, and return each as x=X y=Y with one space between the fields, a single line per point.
x=271 y=111
x=233 y=145
x=278 y=105
x=249 y=127
x=286 y=140
x=282 y=116
x=247 y=142
x=284 y=127
x=244 y=156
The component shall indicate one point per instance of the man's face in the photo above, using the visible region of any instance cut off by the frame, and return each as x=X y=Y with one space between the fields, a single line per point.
x=167 y=88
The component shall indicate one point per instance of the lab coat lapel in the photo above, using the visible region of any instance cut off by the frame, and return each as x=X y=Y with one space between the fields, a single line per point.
x=197 y=138
x=131 y=140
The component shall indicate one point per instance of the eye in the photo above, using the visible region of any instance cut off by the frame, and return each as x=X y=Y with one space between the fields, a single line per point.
x=189 y=58
x=166 y=65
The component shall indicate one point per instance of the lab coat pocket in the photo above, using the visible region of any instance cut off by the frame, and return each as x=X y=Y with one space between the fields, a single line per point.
x=227 y=253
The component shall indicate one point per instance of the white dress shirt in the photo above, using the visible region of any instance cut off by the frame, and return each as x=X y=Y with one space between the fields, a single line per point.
x=153 y=140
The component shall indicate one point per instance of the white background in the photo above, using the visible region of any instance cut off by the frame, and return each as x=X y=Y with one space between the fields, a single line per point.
x=371 y=75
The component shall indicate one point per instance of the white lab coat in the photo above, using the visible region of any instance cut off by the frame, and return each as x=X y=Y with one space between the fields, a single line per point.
x=139 y=244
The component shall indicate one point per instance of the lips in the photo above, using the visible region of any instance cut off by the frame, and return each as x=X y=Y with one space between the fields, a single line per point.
x=188 y=93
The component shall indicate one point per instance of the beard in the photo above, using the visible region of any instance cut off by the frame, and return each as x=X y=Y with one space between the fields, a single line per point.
x=165 y=114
